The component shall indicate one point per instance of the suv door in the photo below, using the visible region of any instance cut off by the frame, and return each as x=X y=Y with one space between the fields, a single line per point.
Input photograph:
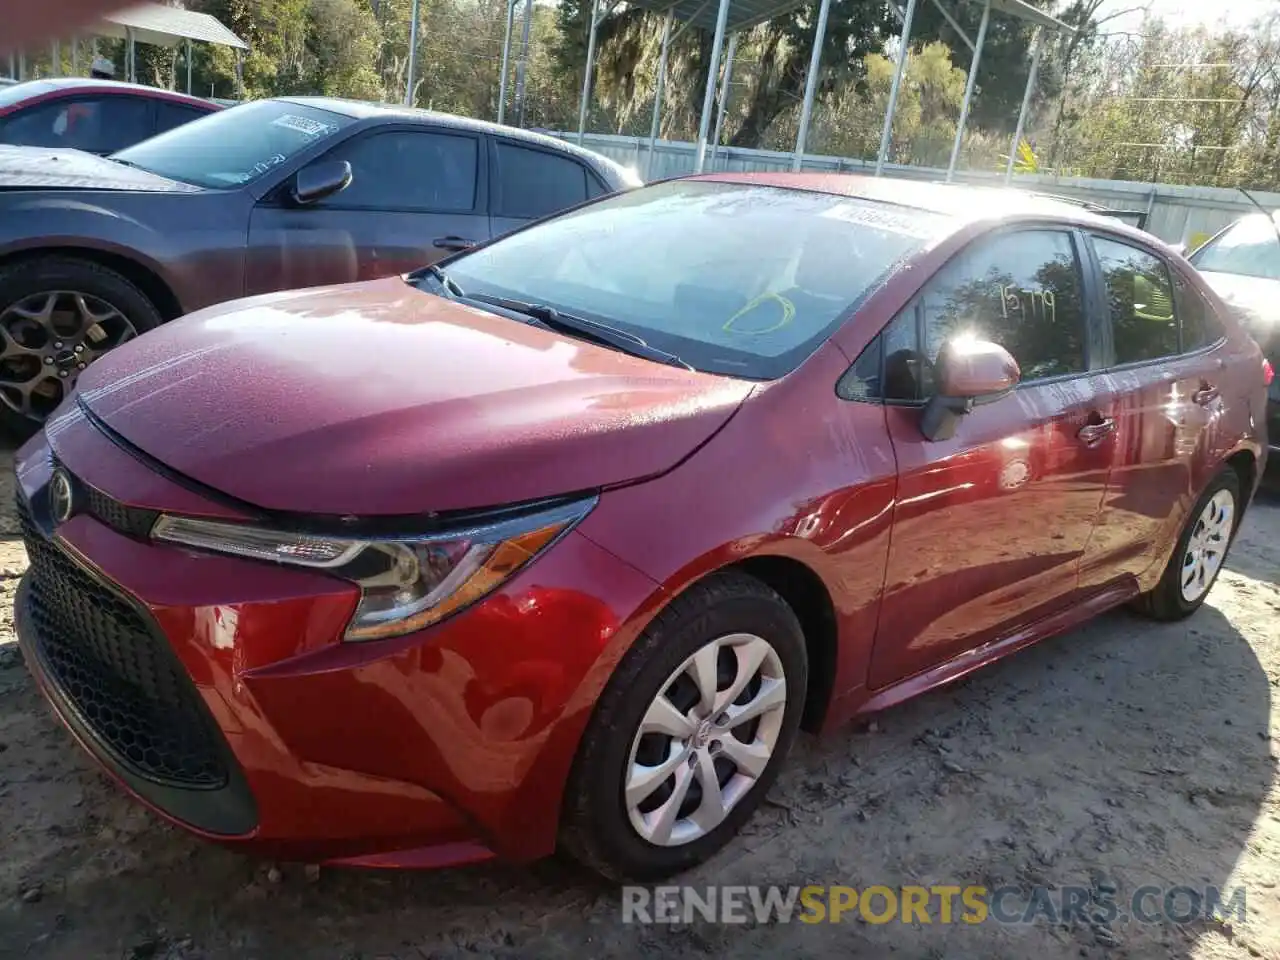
x=989 y=526
x=98 y=123
x=1161 y=394
x=416 y=194
x=531 y=182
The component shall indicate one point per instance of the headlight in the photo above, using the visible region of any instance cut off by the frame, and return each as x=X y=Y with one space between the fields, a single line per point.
x=405 y=583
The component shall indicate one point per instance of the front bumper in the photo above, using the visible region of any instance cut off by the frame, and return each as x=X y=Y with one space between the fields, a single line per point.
x=218 y=691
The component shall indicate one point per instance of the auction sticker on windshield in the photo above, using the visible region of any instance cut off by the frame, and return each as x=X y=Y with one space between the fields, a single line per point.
x=914 y=224
x=305 y=125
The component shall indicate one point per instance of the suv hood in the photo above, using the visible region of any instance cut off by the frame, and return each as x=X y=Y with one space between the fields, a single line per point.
x=40 y=168
x=378 y=399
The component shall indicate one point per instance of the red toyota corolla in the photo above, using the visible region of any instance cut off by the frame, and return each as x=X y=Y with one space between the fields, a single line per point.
x=560 y=544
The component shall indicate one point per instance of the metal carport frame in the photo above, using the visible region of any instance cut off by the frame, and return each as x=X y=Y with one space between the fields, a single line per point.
x=162 y=26
x=731 y=17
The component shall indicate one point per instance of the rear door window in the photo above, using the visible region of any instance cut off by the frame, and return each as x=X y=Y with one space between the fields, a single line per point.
x=537 y=183
x=170 y=115
x=1141 y=301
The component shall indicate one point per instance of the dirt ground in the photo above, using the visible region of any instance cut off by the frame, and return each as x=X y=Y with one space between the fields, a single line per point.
x=1123 y=754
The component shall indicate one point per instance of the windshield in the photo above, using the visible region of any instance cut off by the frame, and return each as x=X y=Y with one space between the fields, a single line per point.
x=1251 y=248
x=732 y=278
x=235 y=146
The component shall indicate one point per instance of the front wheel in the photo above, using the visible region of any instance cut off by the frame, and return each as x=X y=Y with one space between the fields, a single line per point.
x=690 y=732
x=1200 y=553
x=57 y=316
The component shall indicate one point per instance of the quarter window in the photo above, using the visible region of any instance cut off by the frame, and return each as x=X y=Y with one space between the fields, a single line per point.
x=408 y=170
x=1140 y=297
x=1198 y=321
x=1021 y=290
x=535 y=183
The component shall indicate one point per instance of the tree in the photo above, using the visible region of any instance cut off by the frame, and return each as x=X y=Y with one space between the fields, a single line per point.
x=778 y=52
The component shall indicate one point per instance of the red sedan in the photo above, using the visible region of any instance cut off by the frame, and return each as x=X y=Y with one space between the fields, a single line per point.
x=560 y=543
x=97 y=116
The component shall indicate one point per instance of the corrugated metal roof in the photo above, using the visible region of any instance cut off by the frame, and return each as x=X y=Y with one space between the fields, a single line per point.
x=165 y=26
x=749 y=13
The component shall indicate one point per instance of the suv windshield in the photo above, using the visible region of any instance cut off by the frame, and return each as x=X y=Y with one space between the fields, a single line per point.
x=732 y=278
x=1250 y=247
x=235 y=146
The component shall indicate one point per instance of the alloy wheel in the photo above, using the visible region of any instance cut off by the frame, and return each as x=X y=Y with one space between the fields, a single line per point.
x=1207 y=547
x=47 y=340
x=705 y=739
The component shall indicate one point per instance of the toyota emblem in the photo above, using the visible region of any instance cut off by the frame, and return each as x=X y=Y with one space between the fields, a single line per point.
x=61 y=497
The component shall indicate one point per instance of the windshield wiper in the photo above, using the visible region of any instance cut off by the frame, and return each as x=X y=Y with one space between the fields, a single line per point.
x=594 y=330
x=436 y=273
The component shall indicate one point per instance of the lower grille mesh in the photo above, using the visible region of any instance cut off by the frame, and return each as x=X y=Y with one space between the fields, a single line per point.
x=117 y=671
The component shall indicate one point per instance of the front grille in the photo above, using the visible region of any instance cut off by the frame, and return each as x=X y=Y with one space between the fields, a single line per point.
x=133 y=522
x=117 y=671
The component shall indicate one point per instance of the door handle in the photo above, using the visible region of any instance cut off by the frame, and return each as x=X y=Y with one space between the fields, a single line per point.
x=1093 y=433
x=1206 y=395
x=453 y=243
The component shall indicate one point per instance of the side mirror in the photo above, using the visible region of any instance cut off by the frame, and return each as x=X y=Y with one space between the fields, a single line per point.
x=320 y=180
x=969 y=373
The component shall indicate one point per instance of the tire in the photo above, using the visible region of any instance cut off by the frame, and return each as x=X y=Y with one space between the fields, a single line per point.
x=598 y=829
x=1168 y=601
x=39 y=363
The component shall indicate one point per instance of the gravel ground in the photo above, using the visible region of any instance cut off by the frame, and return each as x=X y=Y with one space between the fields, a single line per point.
x=1123 y=753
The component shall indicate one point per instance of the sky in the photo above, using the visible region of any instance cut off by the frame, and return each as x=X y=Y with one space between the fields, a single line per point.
x=1187 y=12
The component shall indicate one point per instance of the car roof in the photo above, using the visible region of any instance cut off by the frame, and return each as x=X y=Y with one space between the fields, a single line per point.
x=360 y=110
x=963 y=203
x=47 y=85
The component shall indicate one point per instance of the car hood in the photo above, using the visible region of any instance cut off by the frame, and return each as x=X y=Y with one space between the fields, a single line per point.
x=39 y=168
x=379 y=399
x=1256 y=301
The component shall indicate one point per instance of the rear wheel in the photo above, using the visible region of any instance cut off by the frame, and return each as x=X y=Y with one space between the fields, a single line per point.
x=57 y=316
x=690 y=732
x=1200 y=553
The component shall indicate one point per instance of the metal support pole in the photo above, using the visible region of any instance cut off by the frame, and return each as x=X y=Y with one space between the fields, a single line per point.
x=1026 y=105
x=13 y=67
x=946 y=15
x=656 y=122
x=586 y=78
x=811 y=85
x=506 y=58
x=239 y=73
x=131 y=49
x=708 y=96
x=188 y=66
x=75 y=56
x=22 y=66
x=413 y=55
x=724 y=95
x=55 y=58
x=968 y=90
x=522 y=65
x=904 y=52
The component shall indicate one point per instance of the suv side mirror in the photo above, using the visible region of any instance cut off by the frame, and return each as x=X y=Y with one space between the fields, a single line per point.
x=320 y=180
x=969 y=373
